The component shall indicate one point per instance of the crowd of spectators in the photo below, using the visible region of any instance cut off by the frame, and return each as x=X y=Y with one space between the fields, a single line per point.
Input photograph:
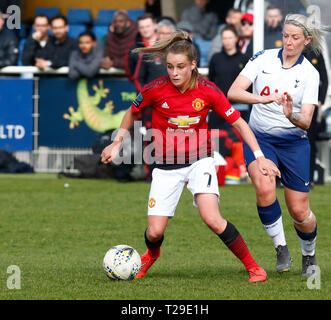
x=230 y=46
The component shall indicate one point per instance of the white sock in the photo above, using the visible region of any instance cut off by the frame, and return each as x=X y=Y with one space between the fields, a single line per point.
x=308 y=246
x=276 y=232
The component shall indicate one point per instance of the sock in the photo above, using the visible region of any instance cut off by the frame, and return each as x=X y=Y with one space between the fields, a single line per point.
x=153 y=247
x=233 y=240
x=307 y=241
x=271 y=218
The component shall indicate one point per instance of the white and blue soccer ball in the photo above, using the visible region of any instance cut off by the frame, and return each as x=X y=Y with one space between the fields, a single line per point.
x=122 y=262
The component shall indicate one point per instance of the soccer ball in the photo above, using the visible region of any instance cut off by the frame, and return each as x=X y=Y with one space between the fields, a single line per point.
x=122 y=262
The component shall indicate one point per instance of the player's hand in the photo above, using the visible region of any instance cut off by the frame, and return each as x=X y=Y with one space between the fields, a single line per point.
x=110 y=152
x=268 y=167
x=287 y=102
x=275 y=97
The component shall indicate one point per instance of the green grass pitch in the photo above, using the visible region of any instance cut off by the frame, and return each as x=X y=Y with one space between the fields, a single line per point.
x=58 y=235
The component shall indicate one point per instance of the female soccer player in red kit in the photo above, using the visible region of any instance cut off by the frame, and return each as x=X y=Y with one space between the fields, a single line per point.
x=181 y=102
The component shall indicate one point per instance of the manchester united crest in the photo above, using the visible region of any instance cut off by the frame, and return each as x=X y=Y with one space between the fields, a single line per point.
x=151 y=202
x=198 y=104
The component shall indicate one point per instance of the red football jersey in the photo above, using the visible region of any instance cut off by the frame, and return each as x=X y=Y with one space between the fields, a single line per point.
x=179 y=125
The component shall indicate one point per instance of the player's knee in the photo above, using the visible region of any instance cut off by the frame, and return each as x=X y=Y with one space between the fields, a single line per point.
x=301 y=216
x=154 y=233
x=217 y=225
x=265 y=191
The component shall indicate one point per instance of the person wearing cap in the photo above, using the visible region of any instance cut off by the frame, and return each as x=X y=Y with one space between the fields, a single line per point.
x=204 y=22
x=8 y=45
x=246 y=37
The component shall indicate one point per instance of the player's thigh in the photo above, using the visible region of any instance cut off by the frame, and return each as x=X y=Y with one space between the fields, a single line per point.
x=202 y=178
x=297 y=203
x=294 y=163
x=265 y=186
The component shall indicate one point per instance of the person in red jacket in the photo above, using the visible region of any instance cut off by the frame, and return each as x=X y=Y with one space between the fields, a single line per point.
x=122 y=32
x=181 y=101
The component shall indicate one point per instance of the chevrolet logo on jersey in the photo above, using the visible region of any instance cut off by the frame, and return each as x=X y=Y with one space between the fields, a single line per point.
x=184 y=121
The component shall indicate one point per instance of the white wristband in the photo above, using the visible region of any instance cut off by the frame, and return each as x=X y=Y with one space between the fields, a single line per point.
x=258 y=154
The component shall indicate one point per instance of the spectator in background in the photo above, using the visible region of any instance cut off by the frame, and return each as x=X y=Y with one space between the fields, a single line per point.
x=233 y=17
x=186 y=26
x=122 y=32
x=37 y=41
x=205 y=23
x=224 y=68
x=147 y=35
x=273 y=31
x=153 y=7
x=246 y=37
x=57 y=51
x=152 y=68
x=85 y=62
x=8 y=45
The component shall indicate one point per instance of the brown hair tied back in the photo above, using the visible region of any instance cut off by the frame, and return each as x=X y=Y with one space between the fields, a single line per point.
x=178 y=43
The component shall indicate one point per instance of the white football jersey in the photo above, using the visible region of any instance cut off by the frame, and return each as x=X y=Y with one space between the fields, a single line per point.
x=301 y=81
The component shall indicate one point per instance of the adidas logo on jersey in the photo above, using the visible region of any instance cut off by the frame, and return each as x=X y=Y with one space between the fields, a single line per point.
x=165 y=105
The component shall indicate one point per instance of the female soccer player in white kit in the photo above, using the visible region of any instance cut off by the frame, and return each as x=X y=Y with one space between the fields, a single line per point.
x=285 y=92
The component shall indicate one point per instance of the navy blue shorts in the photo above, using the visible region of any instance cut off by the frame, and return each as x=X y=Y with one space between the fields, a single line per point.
x=290 y=154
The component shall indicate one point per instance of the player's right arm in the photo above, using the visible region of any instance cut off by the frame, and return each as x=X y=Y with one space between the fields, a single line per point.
x=143 y=99
x=110 y=152
x=238 y=93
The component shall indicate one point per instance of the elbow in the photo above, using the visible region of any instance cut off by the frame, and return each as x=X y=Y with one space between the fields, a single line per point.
x=230 y=95
x=305 y=127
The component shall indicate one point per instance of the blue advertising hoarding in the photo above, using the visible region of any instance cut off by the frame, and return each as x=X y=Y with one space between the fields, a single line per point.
x=74 y=113
x=16 y=106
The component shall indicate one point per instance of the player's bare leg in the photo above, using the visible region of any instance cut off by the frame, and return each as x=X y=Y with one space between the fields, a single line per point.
x=270 y=215
x=153 y=238
x=306 y=227
x=227 y=232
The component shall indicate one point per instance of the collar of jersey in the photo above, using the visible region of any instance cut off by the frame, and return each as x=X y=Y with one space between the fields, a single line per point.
x=280 y=56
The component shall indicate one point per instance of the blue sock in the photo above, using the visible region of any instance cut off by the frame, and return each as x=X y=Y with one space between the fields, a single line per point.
x=271 y=218
x=270 y=214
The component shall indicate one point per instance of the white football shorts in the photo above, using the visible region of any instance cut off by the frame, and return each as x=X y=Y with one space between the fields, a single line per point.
x=167 y=185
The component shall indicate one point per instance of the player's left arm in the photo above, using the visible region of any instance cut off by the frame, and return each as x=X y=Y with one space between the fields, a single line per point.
x=299 y=119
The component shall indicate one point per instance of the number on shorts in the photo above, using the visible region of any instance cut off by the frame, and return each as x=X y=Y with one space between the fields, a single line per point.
x=209 y=179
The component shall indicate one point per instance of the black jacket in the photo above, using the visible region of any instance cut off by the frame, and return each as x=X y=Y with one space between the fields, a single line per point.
x=32 y=49
x=8 y=49
x=224 y=69
x=58 y=52
x=318 y=62
x=273 y=37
